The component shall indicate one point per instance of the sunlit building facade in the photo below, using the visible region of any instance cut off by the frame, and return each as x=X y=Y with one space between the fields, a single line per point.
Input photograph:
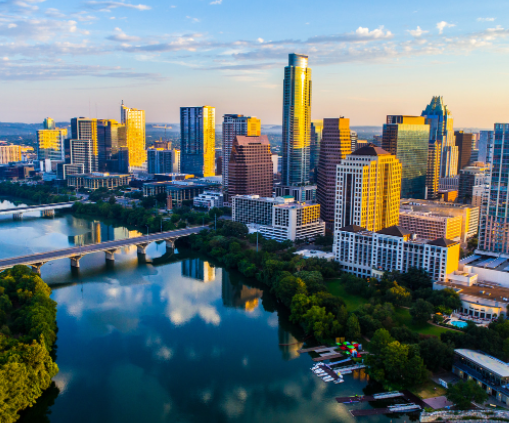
x=433 y=174
x=111 y=137
x=10 y=153
x=296 y=121
x=198 y=140
x=134 y=121
x=50 y=143
x=407 y=138
x=83 y=128
x=314 y=149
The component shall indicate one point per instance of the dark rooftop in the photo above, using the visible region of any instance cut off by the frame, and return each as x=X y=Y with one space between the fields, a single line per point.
x=370 y=150
x=442 y=242
x=353 y=228
x=394 y=231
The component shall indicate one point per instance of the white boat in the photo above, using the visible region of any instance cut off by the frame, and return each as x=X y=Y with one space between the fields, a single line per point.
x=338 y=381
x=327 y=378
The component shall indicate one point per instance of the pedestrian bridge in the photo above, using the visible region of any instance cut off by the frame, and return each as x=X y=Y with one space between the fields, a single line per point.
x=45 y=209
x=109 y=248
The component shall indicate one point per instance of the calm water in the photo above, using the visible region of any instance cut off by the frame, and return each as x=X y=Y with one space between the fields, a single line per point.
x=168 y=339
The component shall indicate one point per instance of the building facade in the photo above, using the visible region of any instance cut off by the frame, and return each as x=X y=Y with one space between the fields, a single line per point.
x=10 y=154
x=111 y=137
x=98 y=180
x=209 y=200
x=306 y=193
x=177 y=192
x=470 y=177
x=433 y=174
x=485 y=141
x=336 y=144
x=198 y=140
x=314 y=148
x=50 y=143
x=81 y=151
x=296 y=121
x=464 y=143
x=234 y=125
x=407 y=138
x=252 y=209
x=431 y=226
x=370 y=254
x=163 y=161
x=368 y=185
x=134 y=121
x=83 y=128
x=250 y=168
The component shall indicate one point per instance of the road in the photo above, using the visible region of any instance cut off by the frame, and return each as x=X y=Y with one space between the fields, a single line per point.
x=67 y=204
x=93 y=248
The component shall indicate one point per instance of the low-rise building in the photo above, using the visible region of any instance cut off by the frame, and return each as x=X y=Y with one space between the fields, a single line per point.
x=208 y=200
x=304 y=193
x=369 y=254
x=431 y=226
x=10 y=154
x=97 y=180
x=16 y=171
x=64 y=169
x=490 y=373
x=179 y=191
x=279 y=218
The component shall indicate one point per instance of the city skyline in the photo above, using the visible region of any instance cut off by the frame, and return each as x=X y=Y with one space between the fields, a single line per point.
x=72 y=59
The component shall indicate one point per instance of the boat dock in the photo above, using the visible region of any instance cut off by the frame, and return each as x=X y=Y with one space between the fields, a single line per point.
x=312 y=349
x=391 y=409
x=349 y=369
x=330 y=372
x=368 y=398
x=330 y=356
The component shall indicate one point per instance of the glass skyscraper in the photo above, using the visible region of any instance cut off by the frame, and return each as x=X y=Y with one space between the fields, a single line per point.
x=198 y=140
x=134 y=121
x=407 y=138
x=296 y=121
x=494 y=227
x=314 y=151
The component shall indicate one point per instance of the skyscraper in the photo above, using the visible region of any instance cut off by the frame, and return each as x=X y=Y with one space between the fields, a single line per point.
x=84 y=128
x=438 y=116
x=198 y=140
x=49 y=123
x=250 y=167
x=464 y=144
x=336 y=144
x=494 y=226
x=314 y=149
x=163 y=161
x=111 y=136
x=407 y=138
x=82 y=152
x=485 y=140
x=433 y=173
x=134 y=121
x=50 y=142
x=234 y=125
x=296 y=121
x=368 y=189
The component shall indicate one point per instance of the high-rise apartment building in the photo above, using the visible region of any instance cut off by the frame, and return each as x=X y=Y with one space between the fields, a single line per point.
x=494 y=228
x=50 y=141
x=464 y=144
x=84 y=128
x=407 y=138
x=296 y=121
x=368 y=189
x=314 y=149
x=336 y=144
x=250 y=168
x=433 y=173
x=469 y=177
x=10 y=154
x=163 y=161
x=438 y=116
x=82 y=152
x=234 y=125
x=354 y=137
x=198 y=140
x=134 y=121
x=111 y=136
x=485 y=141
x=48 y=123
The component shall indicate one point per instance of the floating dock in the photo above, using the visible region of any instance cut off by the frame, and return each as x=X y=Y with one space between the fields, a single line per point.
x=349 y=369
x=368 y=398
x=330 y=372
x=328 y=357
x=388 y=410
x=312 y=349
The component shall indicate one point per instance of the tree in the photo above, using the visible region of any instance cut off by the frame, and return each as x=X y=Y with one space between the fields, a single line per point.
x=353 y=328
x=313 y=281
x=463 y=393
x=380 y=340
x=421 y=311
x=415 y=278
x=404 y=335
x=436 y=354
x=214 y=212
x=399 y=295
x=233 y=229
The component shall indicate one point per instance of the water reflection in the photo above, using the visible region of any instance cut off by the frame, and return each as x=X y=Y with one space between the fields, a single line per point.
x=196 y=268
x=238 y=295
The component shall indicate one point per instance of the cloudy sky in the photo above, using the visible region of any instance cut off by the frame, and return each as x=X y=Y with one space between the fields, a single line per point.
x=370 y=58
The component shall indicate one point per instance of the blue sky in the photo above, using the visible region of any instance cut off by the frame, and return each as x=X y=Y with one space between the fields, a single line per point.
x=369 y=58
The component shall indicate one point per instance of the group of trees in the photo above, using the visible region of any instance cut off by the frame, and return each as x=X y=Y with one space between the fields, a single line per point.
x=27 y=334
x=43 y=194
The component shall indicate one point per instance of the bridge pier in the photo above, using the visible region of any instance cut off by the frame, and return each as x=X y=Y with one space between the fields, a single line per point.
x=170 y=244
x=110 y=255
x=17 y=216
x=142 y=248
x=75 y=261
x=36 y=267
x=48 y=213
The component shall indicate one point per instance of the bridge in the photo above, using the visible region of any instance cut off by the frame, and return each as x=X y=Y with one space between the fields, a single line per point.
x=45 y=209
x=109 y=248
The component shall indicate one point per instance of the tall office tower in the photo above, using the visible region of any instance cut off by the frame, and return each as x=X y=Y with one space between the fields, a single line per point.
x=464 y=144
x=354 y=137
x=10 y=154
x=438 y=116
x=50 y=141
x=485 y=140
x=336 y=144
x=407 y=138
x=250 y=168
x=48 y=123
x=134 y=121
x=82 y=152
x=494 y=227
x=163 y=161
x=433 y=173
x=110 y=137
x=198 y=140
x=296 y=121
x=314 y=149
x=84 y=128
x=368 y=189
x=234 y=125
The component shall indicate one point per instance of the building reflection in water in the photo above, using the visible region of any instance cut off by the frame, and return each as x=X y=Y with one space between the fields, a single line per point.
x=198 y=269
x=288 y=344
x=238 y=295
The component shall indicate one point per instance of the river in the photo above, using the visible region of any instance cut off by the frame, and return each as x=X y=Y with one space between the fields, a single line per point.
x=168 y=339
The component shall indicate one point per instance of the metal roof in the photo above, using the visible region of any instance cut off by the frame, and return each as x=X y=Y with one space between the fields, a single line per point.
x=485 y=361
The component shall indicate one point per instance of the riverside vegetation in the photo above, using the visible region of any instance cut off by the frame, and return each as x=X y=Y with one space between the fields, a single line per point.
x=43 y=194
x=402 y=357
x=27 y=334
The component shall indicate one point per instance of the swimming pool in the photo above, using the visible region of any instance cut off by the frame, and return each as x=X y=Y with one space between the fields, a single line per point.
x=459 y=324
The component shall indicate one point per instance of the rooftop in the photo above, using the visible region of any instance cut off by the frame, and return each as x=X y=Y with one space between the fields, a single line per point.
x=443 y=242
x=370 y=150
x=485 y=361
x=394 y=231
x=245 y=140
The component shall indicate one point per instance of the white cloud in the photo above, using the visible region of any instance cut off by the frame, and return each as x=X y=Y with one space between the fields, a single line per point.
x=193 y=19
x=121 y=36
x=115 y=4
x=442 y=25
x=216 y=2
x=260 y=40
x=376 y=33
x=417 y=32
x=12 y=25
x=485 y=19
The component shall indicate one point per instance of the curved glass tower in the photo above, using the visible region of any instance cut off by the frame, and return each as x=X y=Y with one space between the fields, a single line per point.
x=296 y=121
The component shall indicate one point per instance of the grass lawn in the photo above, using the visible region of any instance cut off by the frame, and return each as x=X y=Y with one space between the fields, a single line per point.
x=403 y=317
x=427 y=390
x=352 y=301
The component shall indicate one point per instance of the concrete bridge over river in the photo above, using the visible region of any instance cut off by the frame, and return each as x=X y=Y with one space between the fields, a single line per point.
x=45 y=209
x=109 y=248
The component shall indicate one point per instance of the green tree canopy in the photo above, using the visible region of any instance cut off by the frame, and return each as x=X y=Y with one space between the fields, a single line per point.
x=463 y=393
